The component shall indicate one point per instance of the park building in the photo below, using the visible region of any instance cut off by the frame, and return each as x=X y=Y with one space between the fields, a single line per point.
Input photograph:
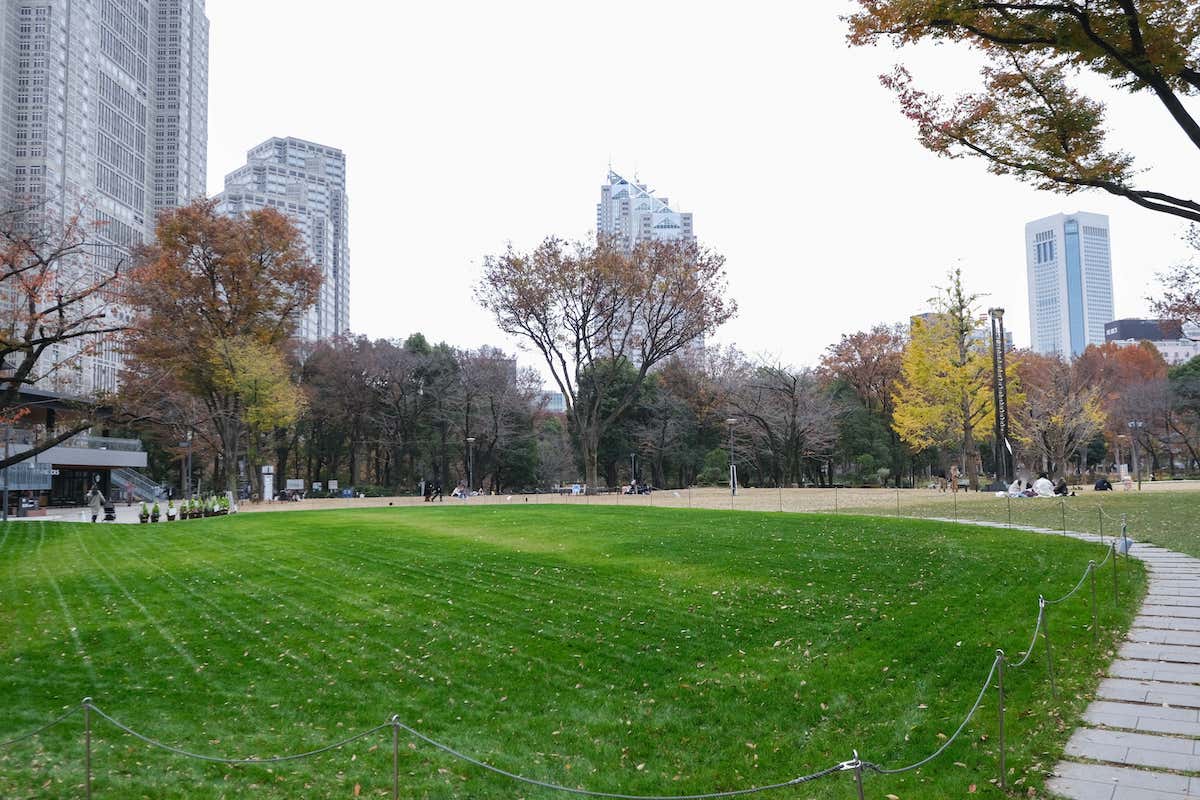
x=1176 y=342
x=1069 y=273
x=629 y=212
x=305 y=182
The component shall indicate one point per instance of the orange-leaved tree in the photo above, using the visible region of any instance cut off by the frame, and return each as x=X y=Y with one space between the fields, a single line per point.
x=210 y=289
x=1028 y=120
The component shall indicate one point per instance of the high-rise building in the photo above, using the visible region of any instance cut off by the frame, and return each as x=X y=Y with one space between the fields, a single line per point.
x=305 y=182
x=1069 y=269
x=629 y=212
x=103 y=114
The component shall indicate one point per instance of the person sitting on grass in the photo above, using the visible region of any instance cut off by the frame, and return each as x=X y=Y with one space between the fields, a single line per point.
x=1029 y=492
x=1103 y=485
x=1042 y=487
x=1061 y=489
x=1015 y=489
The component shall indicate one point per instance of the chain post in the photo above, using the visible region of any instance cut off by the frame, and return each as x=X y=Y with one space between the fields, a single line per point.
x=897 y=500
x=858 y=781
x=1049 y=651
x=955 y=495
x=1000 y=710
x=1095 y=616
x=87 y=748
x=1116 y=588
x=835 y=499
x=395 y=756
x=1063 y=507
x=1100 y=514
x=1009 y=499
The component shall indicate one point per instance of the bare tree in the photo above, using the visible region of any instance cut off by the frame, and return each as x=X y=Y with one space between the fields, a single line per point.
x=591 y=309
x=55 y=304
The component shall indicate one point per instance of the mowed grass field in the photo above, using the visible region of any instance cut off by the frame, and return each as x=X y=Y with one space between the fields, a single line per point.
x=634 y=650
x=1167 y=518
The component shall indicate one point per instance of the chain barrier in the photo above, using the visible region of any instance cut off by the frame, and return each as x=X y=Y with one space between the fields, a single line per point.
x=1033 y=643
x=845 y=765
x=1071 y=593
x=43 y=729
x=220 y=760
x=987 y=684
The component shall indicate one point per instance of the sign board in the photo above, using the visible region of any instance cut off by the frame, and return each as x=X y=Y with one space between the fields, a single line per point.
x=317 y=486
x=268 y=486
x=295 y=484
x=333 y=485
x=268 y=469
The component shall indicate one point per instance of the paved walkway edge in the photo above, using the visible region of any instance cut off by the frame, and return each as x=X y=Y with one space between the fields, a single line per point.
x=1140 y=738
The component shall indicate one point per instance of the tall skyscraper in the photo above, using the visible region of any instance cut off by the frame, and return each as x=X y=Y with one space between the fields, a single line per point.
x=629 y=212
x=1069 y=269
x=305 y=182
x=103 y=113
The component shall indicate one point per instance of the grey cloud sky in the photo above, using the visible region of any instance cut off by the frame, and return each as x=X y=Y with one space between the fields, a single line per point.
x=468 y=125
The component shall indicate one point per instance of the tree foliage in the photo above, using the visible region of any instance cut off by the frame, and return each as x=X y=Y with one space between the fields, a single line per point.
x=1028 y=120
x=589 y=310
x=210 y=285
x=944 y=397
x=1061 y=413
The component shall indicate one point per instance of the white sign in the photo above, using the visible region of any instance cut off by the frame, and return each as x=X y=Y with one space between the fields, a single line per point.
x=333 y=485
x=295 y=484
x=316 y=486
x=268 y=486
x=268 y=469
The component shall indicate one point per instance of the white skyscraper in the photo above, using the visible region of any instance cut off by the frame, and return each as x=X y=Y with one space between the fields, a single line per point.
x=305 y=182
x=629 y=212
x=103 y=112
x=1069 y=271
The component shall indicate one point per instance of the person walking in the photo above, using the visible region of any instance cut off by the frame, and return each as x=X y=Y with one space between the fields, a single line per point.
x=95 y=503
x=954 y=475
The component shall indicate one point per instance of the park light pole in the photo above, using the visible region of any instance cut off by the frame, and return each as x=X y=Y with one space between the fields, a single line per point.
x=1001 y=459
x=732 y=465
x=470 y=464
x=1136 y=425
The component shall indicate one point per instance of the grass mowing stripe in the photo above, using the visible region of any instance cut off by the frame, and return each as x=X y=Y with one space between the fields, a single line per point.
x=154 y=622
x=69 y=621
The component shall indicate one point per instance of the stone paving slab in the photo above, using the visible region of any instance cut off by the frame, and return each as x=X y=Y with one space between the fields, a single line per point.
x=1144 y=727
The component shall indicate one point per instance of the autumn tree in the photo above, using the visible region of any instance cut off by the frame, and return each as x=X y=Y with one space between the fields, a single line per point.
x=944 y=397
x=870 y=363
x=55 y=310
x=590 y=308
x=1061 y=413
x=209 y=283
x=1028 y=120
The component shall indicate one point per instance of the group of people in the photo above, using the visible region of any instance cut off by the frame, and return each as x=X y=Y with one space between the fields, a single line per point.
x=1042 y=487
x=431 y=491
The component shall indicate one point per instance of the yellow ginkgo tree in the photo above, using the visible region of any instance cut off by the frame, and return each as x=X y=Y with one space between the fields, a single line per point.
x=944 y=397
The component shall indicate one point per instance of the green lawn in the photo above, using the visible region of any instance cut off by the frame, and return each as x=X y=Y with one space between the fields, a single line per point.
x=1167 y=518
x=644 y=651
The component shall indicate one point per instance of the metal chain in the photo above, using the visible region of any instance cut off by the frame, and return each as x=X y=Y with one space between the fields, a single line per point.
x=987 y=684
x=1033 y=643
x=613 y=795
x=42 y=729
x=1071 y=593
x=219 y=760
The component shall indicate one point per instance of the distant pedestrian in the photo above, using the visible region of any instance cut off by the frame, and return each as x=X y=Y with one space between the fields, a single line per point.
x=437 y=492
x=954 y=473
x=427 y=490
x=95 y=503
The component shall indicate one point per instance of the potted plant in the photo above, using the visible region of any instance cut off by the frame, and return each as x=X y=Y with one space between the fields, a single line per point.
x=170 y=510
x=143 y=514
x=155 y=513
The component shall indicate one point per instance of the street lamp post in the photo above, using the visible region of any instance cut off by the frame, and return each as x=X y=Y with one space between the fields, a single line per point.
x=1002 y=460
x=1134 y=426
x=470 y=464
x=632 y=469
x=732 y=465
x=7 y=450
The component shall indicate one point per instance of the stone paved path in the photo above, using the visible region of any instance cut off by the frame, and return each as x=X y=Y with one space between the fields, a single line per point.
x=1141 y=736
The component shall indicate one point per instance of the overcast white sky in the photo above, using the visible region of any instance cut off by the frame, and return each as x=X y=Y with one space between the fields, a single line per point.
x=470 y=124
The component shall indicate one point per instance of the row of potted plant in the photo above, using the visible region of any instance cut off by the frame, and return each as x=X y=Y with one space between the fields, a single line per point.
x=188 y=509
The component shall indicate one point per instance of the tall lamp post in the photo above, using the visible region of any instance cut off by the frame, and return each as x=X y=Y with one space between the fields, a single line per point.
x=1136 y=425
x=732 y=465
x=1002 y=458
x=470 y=464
